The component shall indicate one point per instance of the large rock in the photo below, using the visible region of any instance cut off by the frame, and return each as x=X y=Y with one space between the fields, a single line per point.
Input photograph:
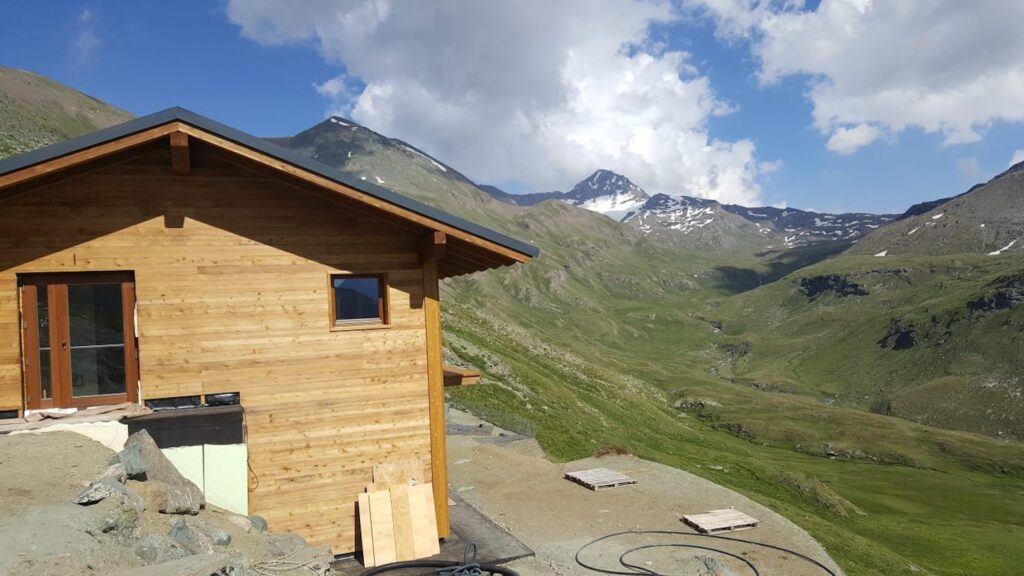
x=257 y=523
x=168 y=499
x=178 y=494
x=116 y=472
x=133 y=460
x=191 y=539
x=160 y=548
x=100 y=489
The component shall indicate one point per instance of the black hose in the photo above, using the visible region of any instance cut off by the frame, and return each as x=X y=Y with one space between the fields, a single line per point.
x=641 y=570
x=622 y=558
x=484 y=568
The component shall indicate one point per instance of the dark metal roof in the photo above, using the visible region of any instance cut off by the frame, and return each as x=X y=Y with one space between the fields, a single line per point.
x=270 y=149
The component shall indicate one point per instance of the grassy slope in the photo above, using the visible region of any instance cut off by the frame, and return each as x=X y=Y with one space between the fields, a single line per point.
x=964 y=370
x=36 y=111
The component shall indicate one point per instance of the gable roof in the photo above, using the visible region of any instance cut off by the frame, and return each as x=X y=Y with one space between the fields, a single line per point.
x=33 y=164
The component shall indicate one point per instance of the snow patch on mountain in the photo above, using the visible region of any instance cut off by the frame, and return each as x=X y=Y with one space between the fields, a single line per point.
x=1003 y=249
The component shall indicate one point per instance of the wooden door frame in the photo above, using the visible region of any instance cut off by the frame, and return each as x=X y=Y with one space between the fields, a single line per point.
x=56 y=284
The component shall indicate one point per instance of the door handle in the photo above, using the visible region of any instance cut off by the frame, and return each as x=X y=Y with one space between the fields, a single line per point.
x=63 y=344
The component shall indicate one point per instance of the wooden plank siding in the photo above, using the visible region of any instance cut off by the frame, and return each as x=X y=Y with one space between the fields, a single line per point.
x=231 y=271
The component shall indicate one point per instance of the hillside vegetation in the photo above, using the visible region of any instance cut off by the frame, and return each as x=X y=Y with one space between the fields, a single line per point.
x=775 y=374
x=36 y=111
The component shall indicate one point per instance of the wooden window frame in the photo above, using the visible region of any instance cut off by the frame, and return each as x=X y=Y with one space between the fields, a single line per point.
x=383 y=319
x=56 y=285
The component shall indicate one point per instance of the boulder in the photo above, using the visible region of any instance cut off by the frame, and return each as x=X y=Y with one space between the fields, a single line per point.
x=191 y=539
x=169 y=499
x=242 y=522
x=218 y=536
x=98 y=490
x=258 y=523
x=180 y=496
x=133 y=461
x=116 y=472
x=160 y=548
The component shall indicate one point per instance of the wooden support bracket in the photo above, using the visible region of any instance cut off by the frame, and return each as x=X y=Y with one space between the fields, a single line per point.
x=432 y=245
x=181 y=163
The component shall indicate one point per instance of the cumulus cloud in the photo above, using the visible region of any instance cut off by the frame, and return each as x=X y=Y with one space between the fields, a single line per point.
x=529 y=91
x=848 y=140
x=947 y=67
x=1017 y=158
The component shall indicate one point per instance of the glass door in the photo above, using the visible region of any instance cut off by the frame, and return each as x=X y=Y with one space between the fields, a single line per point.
x=79 y=339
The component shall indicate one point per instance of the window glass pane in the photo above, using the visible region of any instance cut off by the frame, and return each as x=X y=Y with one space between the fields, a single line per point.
x=95 y=314
x=43 y=319
x=97 y=339
x=97 y=370
x=356 y=299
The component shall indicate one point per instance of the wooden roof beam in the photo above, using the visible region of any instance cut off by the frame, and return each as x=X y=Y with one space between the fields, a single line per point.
x=432 y=245
x=181 y=162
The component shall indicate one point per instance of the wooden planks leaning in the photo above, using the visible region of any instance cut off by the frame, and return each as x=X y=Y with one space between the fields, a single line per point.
x=399 y=523
x=716 y=521
x=599 y=478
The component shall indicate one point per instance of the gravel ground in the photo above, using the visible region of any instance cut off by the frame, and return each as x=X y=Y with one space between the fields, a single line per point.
x=518 y=488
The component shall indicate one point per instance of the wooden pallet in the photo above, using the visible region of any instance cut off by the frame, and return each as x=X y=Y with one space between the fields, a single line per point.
x=599 y=478
x=717 y=521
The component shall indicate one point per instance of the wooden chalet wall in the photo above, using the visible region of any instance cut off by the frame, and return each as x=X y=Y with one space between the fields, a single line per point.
x=231 y=270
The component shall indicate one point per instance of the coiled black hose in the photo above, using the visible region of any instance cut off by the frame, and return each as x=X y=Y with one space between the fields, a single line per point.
x=648 y=572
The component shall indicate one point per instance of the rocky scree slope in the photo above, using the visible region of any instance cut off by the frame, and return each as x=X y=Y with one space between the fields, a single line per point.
x=987 y=219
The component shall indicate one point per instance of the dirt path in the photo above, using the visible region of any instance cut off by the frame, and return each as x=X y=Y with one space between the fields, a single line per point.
x=513 y=484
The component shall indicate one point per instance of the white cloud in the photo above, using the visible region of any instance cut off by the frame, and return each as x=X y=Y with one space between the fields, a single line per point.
x=943 y=66
x=85 y=41
x=848 y=140
x=1017 y=158
x=968 y=167
x=532 y=91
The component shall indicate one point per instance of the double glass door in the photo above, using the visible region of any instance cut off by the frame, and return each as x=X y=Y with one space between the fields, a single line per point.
x=79 y=339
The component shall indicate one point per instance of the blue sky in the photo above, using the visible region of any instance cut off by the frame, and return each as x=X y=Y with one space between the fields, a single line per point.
x=257 y=67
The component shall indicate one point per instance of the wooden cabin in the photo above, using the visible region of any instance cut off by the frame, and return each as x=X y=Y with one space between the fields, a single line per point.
x=172 y=259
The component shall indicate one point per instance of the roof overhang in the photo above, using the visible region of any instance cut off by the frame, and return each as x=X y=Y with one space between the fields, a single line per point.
x=467 y=248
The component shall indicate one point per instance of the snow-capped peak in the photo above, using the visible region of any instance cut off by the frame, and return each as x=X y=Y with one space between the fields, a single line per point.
x=609 y=193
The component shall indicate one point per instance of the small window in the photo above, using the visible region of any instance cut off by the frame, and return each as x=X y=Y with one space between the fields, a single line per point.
x=358 y=300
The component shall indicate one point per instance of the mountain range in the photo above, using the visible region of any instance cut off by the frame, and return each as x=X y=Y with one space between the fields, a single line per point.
x=858 y=377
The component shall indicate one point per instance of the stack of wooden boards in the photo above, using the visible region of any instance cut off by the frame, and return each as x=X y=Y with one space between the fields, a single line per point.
x=397 y=521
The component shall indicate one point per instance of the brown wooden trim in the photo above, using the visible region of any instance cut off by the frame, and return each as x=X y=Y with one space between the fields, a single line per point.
x=181 y=164
x=455 y=376
x=131 y=342
x=96 y=152
x=56 y=285
x=92 y=277
x=432 y=245
x=32 y=372
x=383 y=304
x=435 y=395
x=60 y=348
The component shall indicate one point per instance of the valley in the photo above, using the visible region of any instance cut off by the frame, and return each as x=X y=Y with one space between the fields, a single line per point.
x=875 y=401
